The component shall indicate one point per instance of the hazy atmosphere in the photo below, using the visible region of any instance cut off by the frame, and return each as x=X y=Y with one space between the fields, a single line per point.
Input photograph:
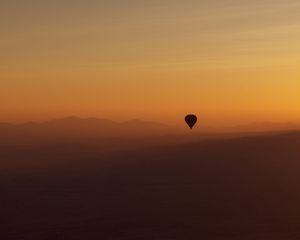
x=229 y=61
x=149 y=120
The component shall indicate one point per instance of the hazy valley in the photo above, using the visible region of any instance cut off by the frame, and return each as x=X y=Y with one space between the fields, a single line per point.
x=149 y=185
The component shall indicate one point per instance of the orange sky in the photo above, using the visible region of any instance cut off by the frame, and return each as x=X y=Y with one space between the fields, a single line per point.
x=229 y=61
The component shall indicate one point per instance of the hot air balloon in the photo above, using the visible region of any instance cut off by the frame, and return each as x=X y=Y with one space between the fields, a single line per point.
x=191 y=120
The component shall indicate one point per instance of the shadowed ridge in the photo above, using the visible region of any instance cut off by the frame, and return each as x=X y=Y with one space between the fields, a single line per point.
x=271 y=142
x=264 y=127
x=75 y=129
x=78 y=120
x=5 y=124
x=142 y=123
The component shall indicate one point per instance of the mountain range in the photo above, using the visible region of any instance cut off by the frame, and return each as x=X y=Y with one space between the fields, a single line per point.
x=80 y=129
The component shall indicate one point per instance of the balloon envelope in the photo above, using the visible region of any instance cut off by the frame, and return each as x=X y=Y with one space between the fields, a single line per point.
x=191 y=120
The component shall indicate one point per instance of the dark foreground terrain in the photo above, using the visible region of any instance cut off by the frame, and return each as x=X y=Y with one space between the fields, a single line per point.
x=242 y=188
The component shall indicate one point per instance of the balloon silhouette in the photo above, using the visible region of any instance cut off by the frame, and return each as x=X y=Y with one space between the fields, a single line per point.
x=191 y=120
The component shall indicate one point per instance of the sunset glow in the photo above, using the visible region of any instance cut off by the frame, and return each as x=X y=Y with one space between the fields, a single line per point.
x=228 y=61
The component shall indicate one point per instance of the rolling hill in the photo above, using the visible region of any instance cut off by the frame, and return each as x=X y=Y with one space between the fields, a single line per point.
x=241 y=188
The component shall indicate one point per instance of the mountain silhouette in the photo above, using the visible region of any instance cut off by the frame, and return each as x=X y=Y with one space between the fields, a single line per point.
x=75 y=128
x=264 y=127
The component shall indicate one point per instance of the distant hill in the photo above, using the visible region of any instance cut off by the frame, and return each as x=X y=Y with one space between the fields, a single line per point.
x=264 y=127
x=74 y=128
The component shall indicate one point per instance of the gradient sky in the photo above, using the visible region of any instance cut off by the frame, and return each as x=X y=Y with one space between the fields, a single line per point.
x=229 y=61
